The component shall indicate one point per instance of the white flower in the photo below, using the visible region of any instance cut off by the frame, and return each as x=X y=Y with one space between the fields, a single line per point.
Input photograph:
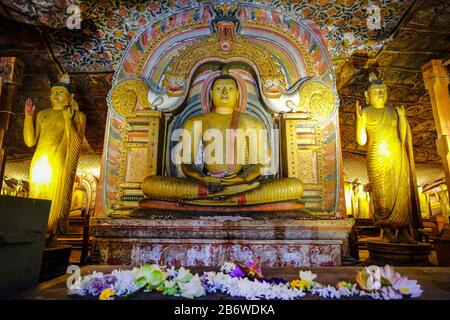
x=172 y=272
x=192 y=289
x=372 y=283
x=407 y=287
x=125 y=282
x=307 y=276
x=374 y=271
x=388 y=293
x=169 y=284
x=373 y=280
x=330 y=292
x=227 y=267
x=348 y=292
x=251 y=290
x=183 y=275
x=375 y=295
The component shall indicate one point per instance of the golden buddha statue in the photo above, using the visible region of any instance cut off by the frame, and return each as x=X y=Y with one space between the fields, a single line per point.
x=78 y=206
x=362 y=199
x=390 y=164
x=444 y=200
x=349 y=199
x=228 y=178
x=58 y=133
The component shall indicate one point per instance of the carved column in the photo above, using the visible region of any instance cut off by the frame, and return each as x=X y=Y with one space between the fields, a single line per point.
x=141 y=154
x=436 y=81
x=11 y=73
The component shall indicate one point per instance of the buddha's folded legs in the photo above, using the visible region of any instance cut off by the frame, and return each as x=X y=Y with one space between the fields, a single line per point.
x=287 y=189
x=179 y=189
x=170 y=188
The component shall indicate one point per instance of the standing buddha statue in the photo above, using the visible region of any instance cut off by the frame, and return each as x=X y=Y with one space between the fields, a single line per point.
x=390 y=164
x=58 y=133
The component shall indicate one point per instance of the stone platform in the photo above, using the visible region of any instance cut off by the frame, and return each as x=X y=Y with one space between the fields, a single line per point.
x=398 y=254
x=435 y=283
x=212 y=240
x=163 y=209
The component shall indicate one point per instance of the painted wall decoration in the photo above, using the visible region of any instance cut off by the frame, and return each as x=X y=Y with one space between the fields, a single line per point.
x=108 y=26
x=289 y=61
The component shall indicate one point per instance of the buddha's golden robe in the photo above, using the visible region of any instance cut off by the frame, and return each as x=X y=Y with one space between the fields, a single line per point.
x=362 y=199
x=390 y=166
x=349 y=199
x=54 y=163
x=231 y=163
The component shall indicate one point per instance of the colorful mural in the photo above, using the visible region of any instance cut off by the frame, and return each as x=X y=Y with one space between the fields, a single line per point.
x=284 y=59
x=107 y=26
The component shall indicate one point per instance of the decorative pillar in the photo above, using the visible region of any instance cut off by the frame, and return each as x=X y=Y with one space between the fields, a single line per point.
x=436 y=81
x=11 y=73
x=141 y=156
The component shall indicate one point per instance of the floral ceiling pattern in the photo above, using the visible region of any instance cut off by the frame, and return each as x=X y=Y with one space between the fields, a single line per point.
x=107 y=26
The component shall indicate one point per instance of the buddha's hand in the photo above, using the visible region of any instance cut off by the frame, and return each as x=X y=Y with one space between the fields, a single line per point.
x=68 y=113
x=211 y=180
x=30 y=108
x=232 y=180
x=213 y=184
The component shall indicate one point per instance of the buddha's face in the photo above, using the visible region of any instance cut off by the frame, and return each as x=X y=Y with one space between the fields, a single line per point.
x=225 y=94
x=376 y=96
x=59 y=97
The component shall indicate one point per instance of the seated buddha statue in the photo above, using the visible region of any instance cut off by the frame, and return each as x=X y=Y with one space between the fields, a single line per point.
x=228 y=178
x=78 y=206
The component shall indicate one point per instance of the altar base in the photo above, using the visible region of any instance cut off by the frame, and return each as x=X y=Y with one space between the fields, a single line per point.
x=54 y=262
x=401 y=254
x=211 y=241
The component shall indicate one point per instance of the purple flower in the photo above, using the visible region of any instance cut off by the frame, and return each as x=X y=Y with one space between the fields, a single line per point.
x=101 y=283
x=237 y=272
x=110 y=280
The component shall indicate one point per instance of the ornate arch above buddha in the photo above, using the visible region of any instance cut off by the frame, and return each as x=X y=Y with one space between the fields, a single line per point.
x=293 y=78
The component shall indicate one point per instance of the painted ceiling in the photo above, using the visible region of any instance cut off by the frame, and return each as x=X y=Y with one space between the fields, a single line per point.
x=412 y=32
x=107 y=25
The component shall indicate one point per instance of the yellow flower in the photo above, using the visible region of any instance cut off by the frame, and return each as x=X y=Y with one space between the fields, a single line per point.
x=159 y=289
x=344 y=284
x=299 y=284
x=106 y=294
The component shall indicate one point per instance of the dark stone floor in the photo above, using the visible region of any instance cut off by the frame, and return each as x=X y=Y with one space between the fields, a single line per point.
x=435 y=282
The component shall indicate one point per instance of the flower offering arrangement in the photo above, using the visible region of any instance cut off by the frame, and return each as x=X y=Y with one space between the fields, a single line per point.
x=244 y=280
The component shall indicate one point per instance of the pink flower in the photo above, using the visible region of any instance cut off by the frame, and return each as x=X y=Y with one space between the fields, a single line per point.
x=389 y=293
x=388 y=275
x=407 y=287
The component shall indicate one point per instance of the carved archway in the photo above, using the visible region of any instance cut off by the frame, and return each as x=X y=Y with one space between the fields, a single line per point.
x=296 y=85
